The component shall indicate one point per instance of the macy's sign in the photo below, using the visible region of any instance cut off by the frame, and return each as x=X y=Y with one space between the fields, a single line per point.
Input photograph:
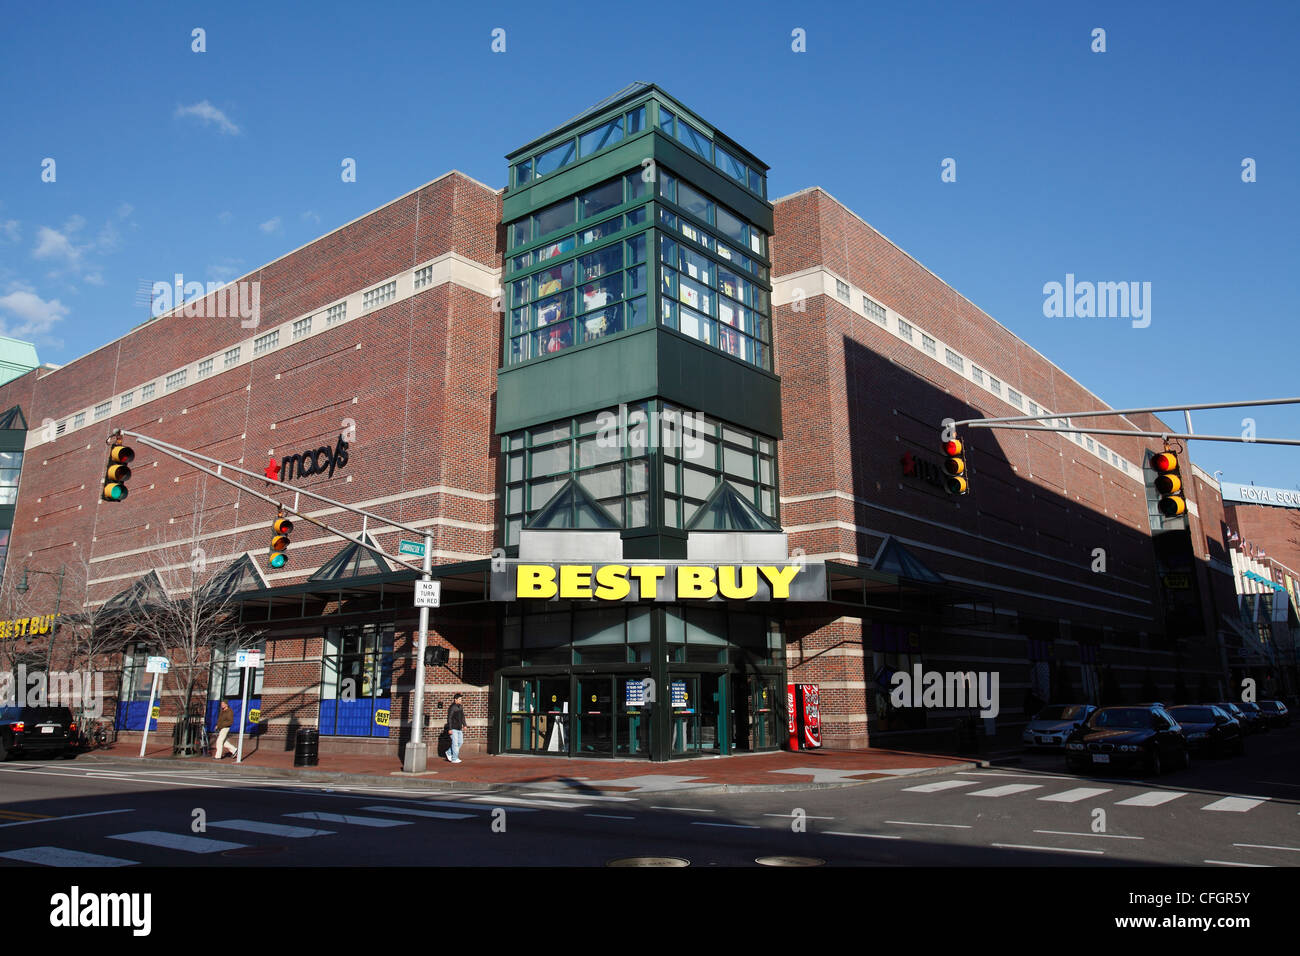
x=307 y=463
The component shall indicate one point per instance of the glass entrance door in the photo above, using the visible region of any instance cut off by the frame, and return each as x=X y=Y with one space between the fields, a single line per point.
x=524 y=722
x=594 y=734
x=555 y=714
x=696 y=706
x=754 y=712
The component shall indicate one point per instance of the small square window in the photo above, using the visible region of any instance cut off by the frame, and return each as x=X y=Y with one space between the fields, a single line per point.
x=176 y=379
x=231 y=357
x=904 y=330
x=146 y=391
x=102 y=410
x=874 y=310
x=424 y=277
x=954 y=360
x=79 y=419
x=126 y=401
x=265 y=343
x=977 y=374
x=1014 y=397
x=842 y=290
x=927 y=343
x=376 y=298
x=995 y=385
x=205 y=367
x=301 y=328
x=336 y=314
x=1033 y=408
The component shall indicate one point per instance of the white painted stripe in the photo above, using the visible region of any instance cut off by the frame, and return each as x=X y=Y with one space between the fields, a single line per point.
x=686 y=809
x=941 y=785
x=271 y=829
x=538 y=804
x=791 y=816
x=469 y=806
x=566 y=795
x=1235 y=804
x=74 y=816
x=1050 y=849
x=1152 y=798
x=432 y=814
x=865 y=836
x=607 y=816
x=1111 y=836
x=1265 y=846
x=349 y=819
x=734 y=826
x=177 y=841
x=949 y=826
x=1075 y=795
x=1231 y=863
x=58 y=856
x=1006 y=790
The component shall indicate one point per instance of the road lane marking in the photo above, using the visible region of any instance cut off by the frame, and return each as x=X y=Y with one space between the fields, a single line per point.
x=734 y=826
x=607 y=816
x=1111 y=836
x=1265 y=846
x=941 y=785
x=910 y=823
x=538 y=804
x=74 y=816
x=1050 y=849
x=1235 y=804
x=455 y=805
x=1075 y=795
x=348 y=818
x=569 y=795
x=58 y=856
x=998 y=773
x=411 y=811
x=791 y=816
x=686 y=809
x=1005 y=791
x=270 y=829
x=1231 y=863
x=865 y=836
x=177 y=841
x=1152 y=798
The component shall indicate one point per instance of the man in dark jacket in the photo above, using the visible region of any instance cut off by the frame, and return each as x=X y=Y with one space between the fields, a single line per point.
x=456 y=727
x=225 y=720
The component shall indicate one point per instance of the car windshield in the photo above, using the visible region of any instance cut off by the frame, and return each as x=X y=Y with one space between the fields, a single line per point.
x=1193 y=715
x=1248 y=707
x=1270 y=705
x=1060 y=712
x=1130 y=718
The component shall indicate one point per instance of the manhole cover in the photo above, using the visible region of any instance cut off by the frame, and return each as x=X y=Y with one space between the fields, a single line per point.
x=254 y=851
x=789 y=861
x=649 y=861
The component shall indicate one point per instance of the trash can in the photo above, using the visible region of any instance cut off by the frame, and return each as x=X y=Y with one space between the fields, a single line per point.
x=306 y=752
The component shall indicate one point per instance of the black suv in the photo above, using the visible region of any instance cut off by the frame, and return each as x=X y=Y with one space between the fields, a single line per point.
x=37 y=730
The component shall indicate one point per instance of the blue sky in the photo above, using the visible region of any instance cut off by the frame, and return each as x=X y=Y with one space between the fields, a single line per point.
x=1115 y=166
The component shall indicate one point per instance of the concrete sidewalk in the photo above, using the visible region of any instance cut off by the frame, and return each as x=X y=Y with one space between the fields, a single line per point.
x=781 y=770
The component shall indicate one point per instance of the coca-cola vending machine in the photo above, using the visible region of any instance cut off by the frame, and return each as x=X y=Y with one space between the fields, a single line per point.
x=804 y=720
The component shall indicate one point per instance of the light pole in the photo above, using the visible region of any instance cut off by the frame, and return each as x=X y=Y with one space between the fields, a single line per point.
x=22 y=587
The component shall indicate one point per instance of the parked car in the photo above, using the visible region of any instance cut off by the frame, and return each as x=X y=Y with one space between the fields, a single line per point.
x=1119 y=738
x=37 y=730
x=1050 y=727
x=1256 y=721
x=1210 y=729
x=1276 y=713
x=1250 y=722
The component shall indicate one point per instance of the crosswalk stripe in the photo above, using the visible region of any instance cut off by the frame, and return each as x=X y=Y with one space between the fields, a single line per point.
x=411 y=811
x=564 y=795
x=1075 y=795
x=1235 y=804
x=1152 y=798
x=1006 y=790
x=941 y=785
x=348 y=818
x=270 y=829
x=520 y=801
x=469 y=806
x=177 y=841
x=58 y=856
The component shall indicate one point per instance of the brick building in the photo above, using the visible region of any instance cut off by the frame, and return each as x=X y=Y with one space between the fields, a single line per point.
x=627 y=362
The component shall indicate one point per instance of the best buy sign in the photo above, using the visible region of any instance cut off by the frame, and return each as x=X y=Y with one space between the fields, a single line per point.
x=660 y=582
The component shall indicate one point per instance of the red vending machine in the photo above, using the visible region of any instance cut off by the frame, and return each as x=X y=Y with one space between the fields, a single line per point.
x=804 y=721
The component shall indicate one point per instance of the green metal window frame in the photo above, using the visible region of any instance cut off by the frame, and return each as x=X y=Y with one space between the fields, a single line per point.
x=758 y=486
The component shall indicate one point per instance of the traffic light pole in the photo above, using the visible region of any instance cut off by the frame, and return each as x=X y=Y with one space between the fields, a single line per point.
x=416 y=758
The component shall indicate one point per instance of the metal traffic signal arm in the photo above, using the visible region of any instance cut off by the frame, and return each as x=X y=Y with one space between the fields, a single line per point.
x=416 y=751
x=1015 y=422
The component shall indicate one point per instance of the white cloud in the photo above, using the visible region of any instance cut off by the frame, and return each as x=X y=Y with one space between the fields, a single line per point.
x=9 y=229
x=124 y=210
x=225 y=269
x=94 y=278
x=25 y=315
x=208 y=113
x=225 y=217
x=271 y=225
x=53 y=244
x=310 y=216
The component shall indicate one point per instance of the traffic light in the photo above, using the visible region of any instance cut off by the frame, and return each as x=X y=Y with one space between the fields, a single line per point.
x=281 y=528
x=1168 y=484
x=436 y=655
x=954 y=466
x=118 y=470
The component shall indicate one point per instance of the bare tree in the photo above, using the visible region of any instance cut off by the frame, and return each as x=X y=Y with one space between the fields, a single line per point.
x=91 y=635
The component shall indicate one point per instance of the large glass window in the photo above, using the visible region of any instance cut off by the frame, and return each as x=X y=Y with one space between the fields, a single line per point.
x=600 y=137
x=554 y=158
x=11 y=466
x=356 y=680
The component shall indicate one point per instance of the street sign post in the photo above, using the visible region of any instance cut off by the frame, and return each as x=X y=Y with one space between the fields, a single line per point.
x=416 y=758
x=250 y=660
x=154 y=666
x=410 y=547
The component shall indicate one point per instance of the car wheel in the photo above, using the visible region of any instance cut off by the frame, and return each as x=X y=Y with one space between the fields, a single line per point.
x=1153 y=762
x=1186 y=762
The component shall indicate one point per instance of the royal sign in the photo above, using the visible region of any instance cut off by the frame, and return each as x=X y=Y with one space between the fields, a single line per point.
x=660 y=582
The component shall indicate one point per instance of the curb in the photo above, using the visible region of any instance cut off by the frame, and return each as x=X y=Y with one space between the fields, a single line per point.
x=511 y=786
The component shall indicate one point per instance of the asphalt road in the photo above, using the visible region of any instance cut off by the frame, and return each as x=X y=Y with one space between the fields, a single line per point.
x=1231 y=812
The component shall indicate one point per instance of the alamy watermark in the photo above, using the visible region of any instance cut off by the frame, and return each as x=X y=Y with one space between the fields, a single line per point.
x=1102 y=300
x=672 y=429
x=236 y=299
x=949 y=690
x=81 y=691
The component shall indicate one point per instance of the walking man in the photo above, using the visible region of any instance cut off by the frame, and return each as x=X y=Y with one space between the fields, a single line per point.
x=225 y=719
x=456 y=727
